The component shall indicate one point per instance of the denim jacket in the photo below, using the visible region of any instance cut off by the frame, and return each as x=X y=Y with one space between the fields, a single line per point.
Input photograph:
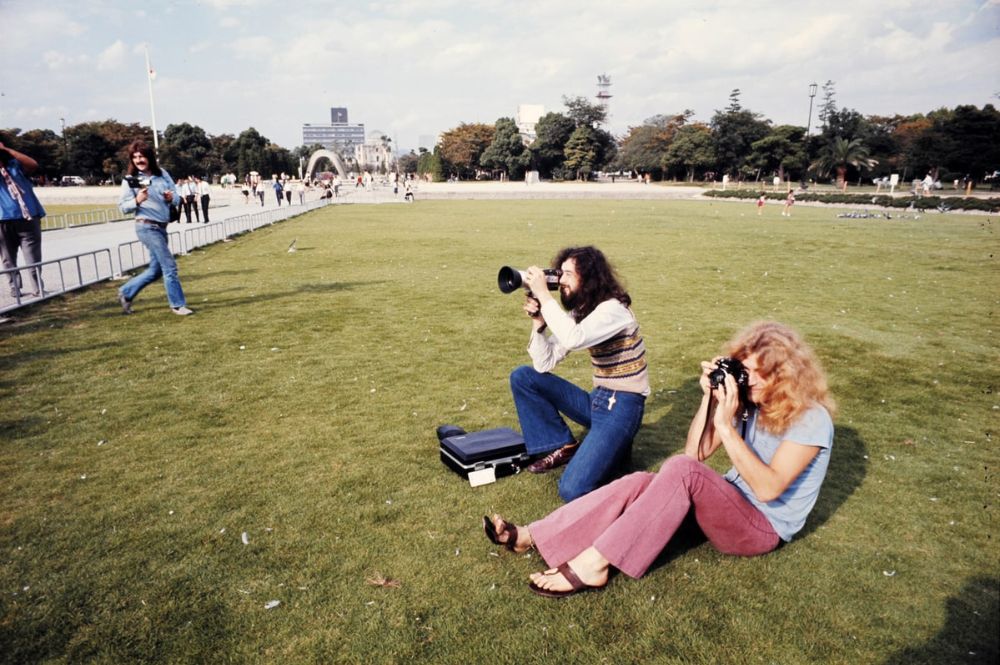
x=9 y=209
x=155 y=209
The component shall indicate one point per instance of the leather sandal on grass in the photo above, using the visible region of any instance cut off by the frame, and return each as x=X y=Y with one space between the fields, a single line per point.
x=571 y=577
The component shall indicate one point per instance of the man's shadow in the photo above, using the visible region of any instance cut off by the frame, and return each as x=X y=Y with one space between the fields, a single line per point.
x=666 y=436
x=970 y=631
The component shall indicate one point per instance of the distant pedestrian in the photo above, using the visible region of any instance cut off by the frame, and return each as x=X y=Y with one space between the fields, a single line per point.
x=149 y=192
x=204 y=194
x=190 y=190
x=926 y=185
x=246 y=191
x=760 y=204
x=288 y=194
x=276 y=184
x=21 y=218
x=789 y=202
x=301 y=189
x=408 y=193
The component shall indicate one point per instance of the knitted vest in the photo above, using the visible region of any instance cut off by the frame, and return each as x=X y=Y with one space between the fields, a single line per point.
x=620 y=362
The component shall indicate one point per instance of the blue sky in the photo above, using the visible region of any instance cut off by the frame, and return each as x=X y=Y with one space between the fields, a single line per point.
x=410 y=69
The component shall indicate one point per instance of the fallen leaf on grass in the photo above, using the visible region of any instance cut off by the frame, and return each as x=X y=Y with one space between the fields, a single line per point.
x=384 y=582
x=271 y=604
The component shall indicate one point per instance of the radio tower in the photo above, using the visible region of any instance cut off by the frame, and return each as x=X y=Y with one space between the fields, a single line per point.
x=603 y=95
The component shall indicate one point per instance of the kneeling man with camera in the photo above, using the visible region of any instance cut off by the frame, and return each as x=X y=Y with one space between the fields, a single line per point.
x=597 y=318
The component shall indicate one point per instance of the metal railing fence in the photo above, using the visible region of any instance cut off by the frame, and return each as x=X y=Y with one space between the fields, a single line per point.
x=57 y=276
x=74 y=272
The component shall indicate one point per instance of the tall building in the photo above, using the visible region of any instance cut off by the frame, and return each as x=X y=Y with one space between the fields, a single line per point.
x=339 y=134
x=528 y=116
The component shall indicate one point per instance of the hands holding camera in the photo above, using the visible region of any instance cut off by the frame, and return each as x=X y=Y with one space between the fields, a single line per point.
x=143 y=195
x=535 y=282
x=727 y=380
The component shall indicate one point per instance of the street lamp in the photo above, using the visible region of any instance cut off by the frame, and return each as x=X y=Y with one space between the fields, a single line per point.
x=812 y=93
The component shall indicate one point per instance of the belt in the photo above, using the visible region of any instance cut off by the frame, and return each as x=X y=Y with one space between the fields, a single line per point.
x=150 y=222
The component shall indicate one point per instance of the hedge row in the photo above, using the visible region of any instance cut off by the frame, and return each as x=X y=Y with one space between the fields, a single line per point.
x=919 y=202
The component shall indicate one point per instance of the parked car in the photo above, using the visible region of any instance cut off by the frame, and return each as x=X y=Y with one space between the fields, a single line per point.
x=72 y=181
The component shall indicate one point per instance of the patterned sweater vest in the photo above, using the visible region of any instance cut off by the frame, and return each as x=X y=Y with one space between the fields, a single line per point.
x=620 y=363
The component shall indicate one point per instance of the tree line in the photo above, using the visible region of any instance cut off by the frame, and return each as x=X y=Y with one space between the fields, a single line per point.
x=946 y=143
x=573 y=144
x=97 y=151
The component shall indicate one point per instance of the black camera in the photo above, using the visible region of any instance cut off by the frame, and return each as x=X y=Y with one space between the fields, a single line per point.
x=510 y=279
x=735 y=369
x=137 y=182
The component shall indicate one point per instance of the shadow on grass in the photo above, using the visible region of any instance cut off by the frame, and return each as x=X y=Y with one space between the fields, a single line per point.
x=847 y=470
x=301 y=289
x=970 y=631
x=212 y=274
x=667 y=435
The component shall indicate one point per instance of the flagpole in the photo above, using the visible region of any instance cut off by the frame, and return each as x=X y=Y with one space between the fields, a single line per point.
x=152 y=108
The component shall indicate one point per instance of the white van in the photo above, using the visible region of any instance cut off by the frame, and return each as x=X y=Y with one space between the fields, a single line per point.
x=72 y=181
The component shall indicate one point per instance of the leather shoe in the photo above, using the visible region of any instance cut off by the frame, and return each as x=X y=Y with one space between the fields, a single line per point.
x=554 y=459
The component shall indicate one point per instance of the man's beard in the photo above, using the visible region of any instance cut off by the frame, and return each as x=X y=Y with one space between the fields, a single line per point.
x=569 y=300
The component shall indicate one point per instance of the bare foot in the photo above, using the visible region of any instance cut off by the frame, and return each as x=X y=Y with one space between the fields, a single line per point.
x=523 y=542
x=589 y=565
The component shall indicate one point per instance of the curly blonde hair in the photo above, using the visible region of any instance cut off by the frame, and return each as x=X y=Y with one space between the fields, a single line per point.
x=796 y=377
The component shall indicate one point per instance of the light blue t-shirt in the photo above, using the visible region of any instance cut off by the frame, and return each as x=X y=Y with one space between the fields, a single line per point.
x=787 y=514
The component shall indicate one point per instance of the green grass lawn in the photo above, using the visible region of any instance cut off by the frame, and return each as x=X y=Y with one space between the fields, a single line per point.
x=299 y=406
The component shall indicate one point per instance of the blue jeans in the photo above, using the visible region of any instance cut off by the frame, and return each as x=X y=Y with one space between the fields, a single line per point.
x=540 y=398
x=161 y=262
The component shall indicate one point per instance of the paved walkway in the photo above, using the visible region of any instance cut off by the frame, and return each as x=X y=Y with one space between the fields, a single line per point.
x=84 y=254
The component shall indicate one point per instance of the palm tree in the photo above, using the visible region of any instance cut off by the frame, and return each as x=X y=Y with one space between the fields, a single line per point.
x=840 y=154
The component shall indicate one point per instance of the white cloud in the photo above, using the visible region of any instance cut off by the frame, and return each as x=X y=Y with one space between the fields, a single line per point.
x=253 y=48
x=62 y=62
x=112 y=57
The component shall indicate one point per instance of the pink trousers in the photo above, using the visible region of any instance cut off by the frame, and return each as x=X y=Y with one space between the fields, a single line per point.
x=631 y=520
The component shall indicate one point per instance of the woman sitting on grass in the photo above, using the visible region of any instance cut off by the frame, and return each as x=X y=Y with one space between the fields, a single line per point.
x=779 y=455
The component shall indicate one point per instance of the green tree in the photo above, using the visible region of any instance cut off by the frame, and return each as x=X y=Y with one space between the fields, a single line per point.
x=184 y=150
x=782 y=150
x=645 y=146
x=408 y=163
x=829 y=104
x=583 y=112
x=87 y=148
x=251 y=153
x=839 y=155
x=548 y=150
x=507 y=152
x=734 y=131
x=44 y=146
x=222 y=158
x=970 y=141
x=430 y=164
x=692 y=149
x=581 y=153
x=462 y=147
x=90 y=144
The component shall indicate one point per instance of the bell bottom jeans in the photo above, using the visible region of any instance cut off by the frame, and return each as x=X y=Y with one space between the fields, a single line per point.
x=161 y=262
x=612 y=418
x=631 y=520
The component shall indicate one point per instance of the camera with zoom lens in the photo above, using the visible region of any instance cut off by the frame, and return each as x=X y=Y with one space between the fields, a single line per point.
x=510 y=279
x=137 y=181
x=735 y=369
